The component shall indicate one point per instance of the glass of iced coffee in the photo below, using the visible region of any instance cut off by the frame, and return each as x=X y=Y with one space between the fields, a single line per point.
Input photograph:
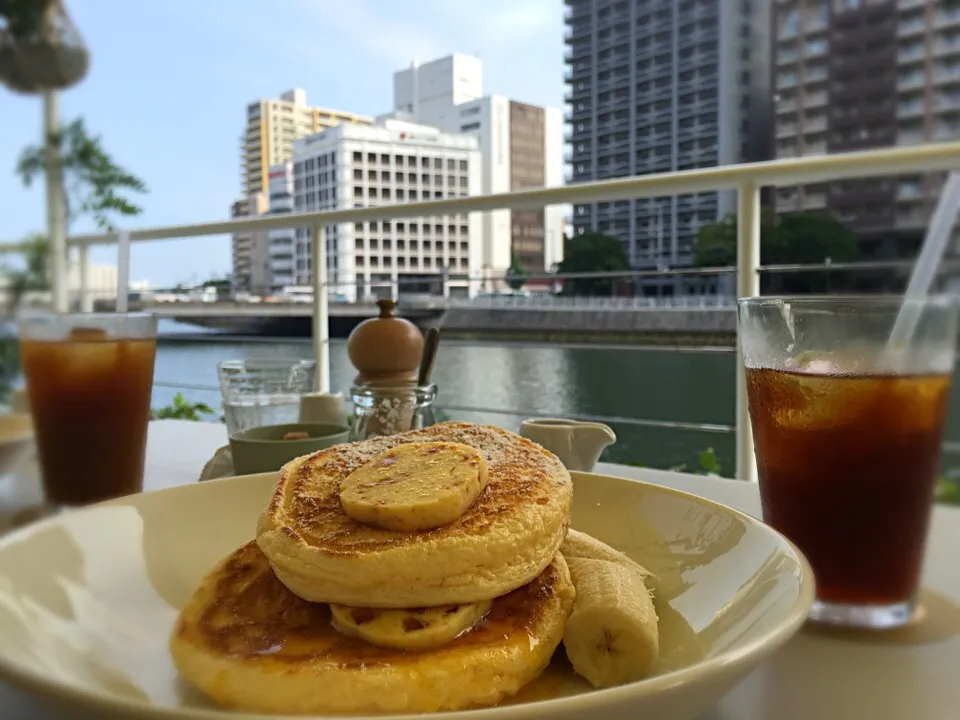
x=847 y=431
x=89 y=379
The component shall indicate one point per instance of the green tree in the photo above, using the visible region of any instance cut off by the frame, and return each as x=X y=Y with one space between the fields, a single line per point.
x=94 y=185
x=588 y=253
x=790 y=238
x=516 y=274
x=222 y=285
x=182 y=409
x=34 y=275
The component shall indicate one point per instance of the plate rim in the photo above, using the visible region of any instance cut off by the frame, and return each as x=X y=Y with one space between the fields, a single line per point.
x=595 y=700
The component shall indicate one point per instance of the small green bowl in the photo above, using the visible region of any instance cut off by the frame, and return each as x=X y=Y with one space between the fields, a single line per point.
x=263 y=449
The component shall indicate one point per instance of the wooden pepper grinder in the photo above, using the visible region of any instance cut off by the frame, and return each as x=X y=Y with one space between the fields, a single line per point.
x=386 y=349
x=386 y=352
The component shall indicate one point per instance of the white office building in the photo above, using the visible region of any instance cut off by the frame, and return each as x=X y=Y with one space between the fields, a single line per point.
x=391 y=162
x=282 y=243
x=521 y=145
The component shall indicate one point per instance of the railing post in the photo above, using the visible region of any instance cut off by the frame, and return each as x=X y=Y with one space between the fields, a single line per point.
x=83 y=268
x=321 y=327
x=748 y=285
x=123 y=270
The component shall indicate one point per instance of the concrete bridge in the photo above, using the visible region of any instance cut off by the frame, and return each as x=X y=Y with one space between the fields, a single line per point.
x=708 y=319
x=278 y=319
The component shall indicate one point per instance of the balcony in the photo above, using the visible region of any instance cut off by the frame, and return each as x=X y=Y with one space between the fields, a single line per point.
x=786 y=106
x=911 y=109
x=911 y=27
x=912 y=54
x=946 y=75
x=946 y=19
x=786 y=130
x=815 y=24
x=912 y=81
x=944 y=48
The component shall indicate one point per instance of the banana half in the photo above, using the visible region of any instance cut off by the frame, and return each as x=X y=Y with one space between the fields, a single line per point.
x=415 y=486
x=612 y=636
x=420 y=629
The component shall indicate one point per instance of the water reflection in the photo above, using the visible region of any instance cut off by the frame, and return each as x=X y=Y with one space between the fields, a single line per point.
x=687 y=385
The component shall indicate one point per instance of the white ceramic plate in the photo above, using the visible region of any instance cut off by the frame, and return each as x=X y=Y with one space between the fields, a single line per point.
x=88 y=598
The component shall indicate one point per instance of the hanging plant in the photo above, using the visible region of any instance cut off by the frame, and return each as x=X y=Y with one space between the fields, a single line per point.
x=40 y=48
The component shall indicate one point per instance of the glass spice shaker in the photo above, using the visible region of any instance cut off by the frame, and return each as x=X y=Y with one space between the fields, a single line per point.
x=387 y=409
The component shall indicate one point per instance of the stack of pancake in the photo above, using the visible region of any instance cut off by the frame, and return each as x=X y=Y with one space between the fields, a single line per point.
x=411 y=573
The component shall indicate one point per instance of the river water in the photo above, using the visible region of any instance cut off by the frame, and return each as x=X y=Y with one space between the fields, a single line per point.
x=502 y=383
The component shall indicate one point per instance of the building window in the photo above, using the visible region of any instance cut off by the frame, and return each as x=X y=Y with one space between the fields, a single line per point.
x=358 y=157
x=470 y=127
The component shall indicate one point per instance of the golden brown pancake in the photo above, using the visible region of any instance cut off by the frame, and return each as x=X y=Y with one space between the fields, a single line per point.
x=505 y=539
x=249 y=643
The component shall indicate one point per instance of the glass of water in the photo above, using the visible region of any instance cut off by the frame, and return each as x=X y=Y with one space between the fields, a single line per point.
x=263 y=392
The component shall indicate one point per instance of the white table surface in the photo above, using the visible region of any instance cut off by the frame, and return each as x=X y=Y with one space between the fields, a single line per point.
x=911 y=675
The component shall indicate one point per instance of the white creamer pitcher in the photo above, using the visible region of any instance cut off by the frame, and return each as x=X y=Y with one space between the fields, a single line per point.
x=577 y=444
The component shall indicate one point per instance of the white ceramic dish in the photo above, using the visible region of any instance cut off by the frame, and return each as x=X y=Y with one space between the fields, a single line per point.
x=87 y=599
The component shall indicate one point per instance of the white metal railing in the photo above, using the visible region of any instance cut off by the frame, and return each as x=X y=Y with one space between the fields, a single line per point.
x=746 y=179
x=587 y=303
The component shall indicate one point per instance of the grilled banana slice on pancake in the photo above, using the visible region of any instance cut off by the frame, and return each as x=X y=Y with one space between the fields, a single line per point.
x=249 y=643
x=507 y=535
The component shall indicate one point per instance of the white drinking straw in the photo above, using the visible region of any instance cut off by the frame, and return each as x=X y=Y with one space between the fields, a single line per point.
x=931 y=254
x=123 y=270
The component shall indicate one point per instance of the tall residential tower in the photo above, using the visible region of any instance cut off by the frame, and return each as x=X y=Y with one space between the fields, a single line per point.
x=661 y=85
x=860 y=74
x=272 y=127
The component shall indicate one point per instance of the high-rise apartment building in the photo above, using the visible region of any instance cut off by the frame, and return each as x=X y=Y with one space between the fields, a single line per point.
x=273 y=125
x=859 y=74
x=521 y=146
x=661 y=85
x=251 y=259
x=392 y=162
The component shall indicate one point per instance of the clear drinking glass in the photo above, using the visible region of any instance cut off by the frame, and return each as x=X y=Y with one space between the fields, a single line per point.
x=89 y=379
x=847 y=434
x=263 y=392
x=391 y=409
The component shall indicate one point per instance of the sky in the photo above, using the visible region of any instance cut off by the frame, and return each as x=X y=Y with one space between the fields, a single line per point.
x=170 y=80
